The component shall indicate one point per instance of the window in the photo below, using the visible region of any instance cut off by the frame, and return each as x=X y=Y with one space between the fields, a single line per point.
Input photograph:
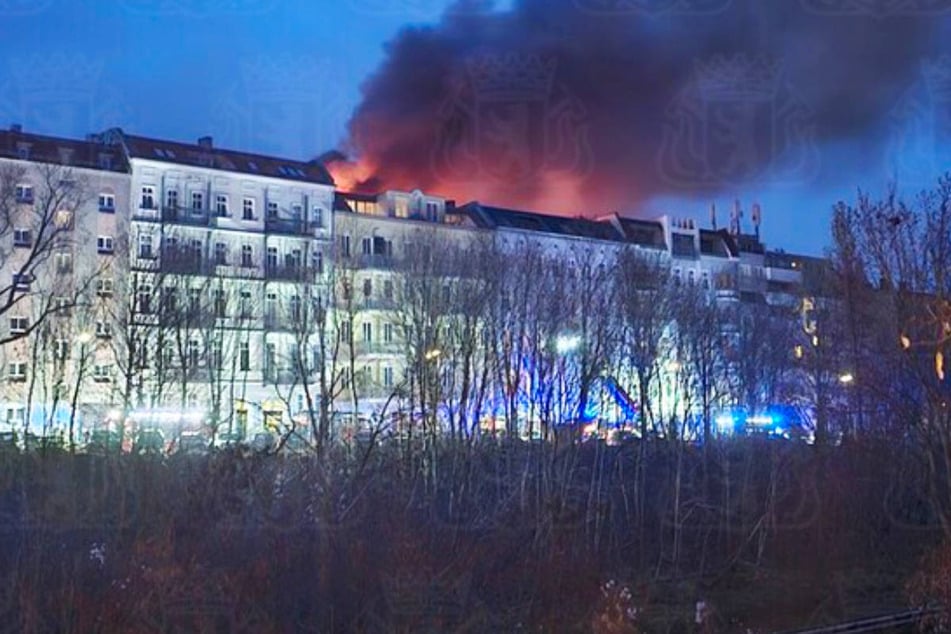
x=104 y=287
x=345 y=378
x=169 y=299
x=247 y=252
x=198 y=201
x=345 y=330
x=295 y=311
x=105 y=161
x=367 y=332
x=22 y=238
x=270 y=307
x=102 y=373
x=318 y=217
x=107 y=203
x=196 y=249
x=388 y=290
x=61 y=349
x=105 y=244
x=367 y=246
x=148 y=197
x=22 y=281
x=18 y=325
x=145 y=246
x=194 y=352
x=16 y=415
x=244 y=307
x=16 y=371
x=221 y=253
x=24 y=193
x=247 y=209
x=271 y=209
x=23 y=151
x=63 y=219
x=345 y=246
x=431 y=210
x=221 y=205
x=194 y=300
x=387 y=376
x=171 y=199
x=318 y=262
x=103 y=329
x=244 y=356
x=144 y=299
x=64 y=262
x=297 y=211
x=388 y=333
x=142 y=355
x=216 y=358
x=62 y=306
x=271 y=262
x=367 y=288
x=270 y=358
x=221 y=303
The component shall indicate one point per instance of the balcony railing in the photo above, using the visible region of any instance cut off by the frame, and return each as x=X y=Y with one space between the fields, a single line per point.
x=185 y=216
x=377 y=347
x=287 y=226
x=289 y=273
x=184 y=262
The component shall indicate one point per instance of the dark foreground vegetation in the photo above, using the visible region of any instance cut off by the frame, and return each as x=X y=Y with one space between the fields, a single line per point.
x=481 y=537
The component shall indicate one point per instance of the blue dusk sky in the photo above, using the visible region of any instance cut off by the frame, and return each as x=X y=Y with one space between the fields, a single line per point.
x=570 y=106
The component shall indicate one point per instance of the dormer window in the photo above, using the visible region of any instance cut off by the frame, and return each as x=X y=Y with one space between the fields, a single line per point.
x=23 y=151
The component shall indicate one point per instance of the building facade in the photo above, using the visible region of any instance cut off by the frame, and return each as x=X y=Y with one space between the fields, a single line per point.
x=198 y=289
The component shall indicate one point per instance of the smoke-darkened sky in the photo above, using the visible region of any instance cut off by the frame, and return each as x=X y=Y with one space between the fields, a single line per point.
x=572 y=106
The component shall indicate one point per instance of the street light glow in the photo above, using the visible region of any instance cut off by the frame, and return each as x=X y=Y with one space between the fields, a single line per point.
x=846 y=378
x=567 y=343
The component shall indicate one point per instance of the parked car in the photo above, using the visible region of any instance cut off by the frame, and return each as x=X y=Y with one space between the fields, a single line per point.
x=194 y=444
x=104 y=441
x=149 y=441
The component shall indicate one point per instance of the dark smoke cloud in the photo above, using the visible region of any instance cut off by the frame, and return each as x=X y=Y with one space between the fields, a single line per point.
x=639 y=104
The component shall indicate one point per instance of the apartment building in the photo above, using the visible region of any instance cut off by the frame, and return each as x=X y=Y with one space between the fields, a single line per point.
x=195 y=286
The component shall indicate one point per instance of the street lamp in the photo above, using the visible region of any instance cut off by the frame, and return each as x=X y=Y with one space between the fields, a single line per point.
x=846 y=378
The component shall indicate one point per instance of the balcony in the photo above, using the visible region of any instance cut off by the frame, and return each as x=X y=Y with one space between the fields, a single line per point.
x=287 y=226
x=377 y=347
x=184 y=262
x=288 y=273
x=185 y=216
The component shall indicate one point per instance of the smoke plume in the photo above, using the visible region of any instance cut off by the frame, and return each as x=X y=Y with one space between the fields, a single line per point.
x=586 y=106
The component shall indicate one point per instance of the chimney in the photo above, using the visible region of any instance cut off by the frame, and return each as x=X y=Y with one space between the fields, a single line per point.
x=713 y=215
x=16 y=127
x=205 y=142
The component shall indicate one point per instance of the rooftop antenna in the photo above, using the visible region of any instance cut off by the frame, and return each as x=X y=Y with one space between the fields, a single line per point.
x=757 y=218
x=713 y=215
